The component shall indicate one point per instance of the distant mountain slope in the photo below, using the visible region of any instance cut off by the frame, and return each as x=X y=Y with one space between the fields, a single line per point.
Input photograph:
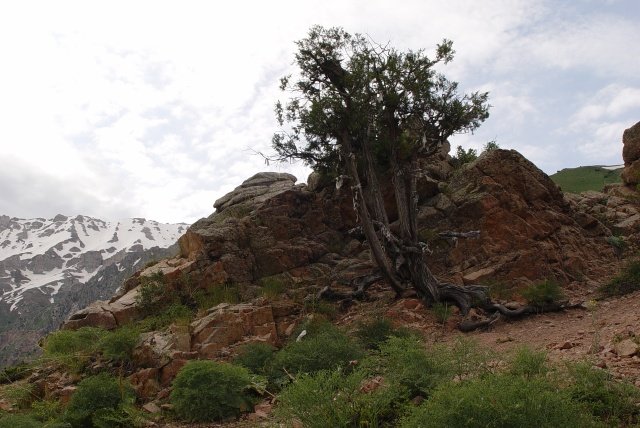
x=52 y=267
x=583 y=178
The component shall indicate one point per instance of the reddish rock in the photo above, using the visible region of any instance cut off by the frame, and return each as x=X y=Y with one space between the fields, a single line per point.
x=145 y=383
x=169 y=371
x=631 y=144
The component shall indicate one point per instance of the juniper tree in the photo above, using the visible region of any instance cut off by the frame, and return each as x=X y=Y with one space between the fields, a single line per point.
x=361 y=111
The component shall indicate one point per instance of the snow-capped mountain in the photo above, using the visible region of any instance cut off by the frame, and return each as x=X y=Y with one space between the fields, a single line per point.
x=50 y=267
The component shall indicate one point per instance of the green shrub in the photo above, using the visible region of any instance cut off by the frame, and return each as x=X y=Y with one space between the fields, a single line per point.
x=150 y=292
x=543 y=293
x=209 y=391
x=72 y=342
x=373 y=333
x=100 y=401
x=324 y=347
x=13 y=373
x=46 y=410
x=272 y=286
x=463 y=157
x=256 y=357
x=333 y=399
x=626 y=282
x=462 y=359
x=118 y=345
x=19 y=421
x=174 y=313
x=529 y=363
x=404 y=362
x=499 y=401
x=221 y=293
x=21 y=394
x=610 y=400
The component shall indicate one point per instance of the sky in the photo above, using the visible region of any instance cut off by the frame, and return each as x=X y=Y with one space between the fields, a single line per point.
x=155 y=109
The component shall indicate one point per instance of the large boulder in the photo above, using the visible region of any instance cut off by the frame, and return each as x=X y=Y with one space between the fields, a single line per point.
x=256 y=189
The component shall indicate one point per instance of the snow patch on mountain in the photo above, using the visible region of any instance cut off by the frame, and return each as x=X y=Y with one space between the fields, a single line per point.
x=49 y=254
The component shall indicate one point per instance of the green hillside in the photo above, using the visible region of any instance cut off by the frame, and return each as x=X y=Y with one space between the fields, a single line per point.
x=583 y=178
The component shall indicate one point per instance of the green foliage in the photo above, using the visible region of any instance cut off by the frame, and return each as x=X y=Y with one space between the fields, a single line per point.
x=47 y=410
x=324 y=347
x=19 y=421
x=174 y=313
x=442 y=311
x=18 y=393
x=627 y=281
x=393 y=97
x=13 y=373
x=320 y=307
x=610 y=400
x=499 y=401
x=100 y=401
x=209 y=391
x=272 y=286
x=118 y=345
x=404 y=362
x=256 y=357
x=151 y=292
x=373 y=333
x=616 y=242
x=584 y=178
x=222 y=293
x=333 y=399
x=543 y=293
x=463 y=156
x=490 y=145
x=73 y=348
x=69 y=342
x=529 y=363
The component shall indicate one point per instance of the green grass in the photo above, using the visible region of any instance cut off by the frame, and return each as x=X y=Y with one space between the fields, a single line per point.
x=581 y=179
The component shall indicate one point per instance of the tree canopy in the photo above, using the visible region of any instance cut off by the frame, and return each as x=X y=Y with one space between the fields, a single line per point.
x=360 y=111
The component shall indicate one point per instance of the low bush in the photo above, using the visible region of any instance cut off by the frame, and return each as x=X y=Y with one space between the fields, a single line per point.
x=72 y=342
x=529 y=363
x=272 y=286
x=333 y=399
x=19 y=421
x=404 y=362
x=499 y=401
x=221 y=293
x=210 y=391
x=151 y=292
x=118 y=345
x=612 y=401
x=373 y=333
x=174 y=313
x=626 y=282
x=100 y=401
x=256 y=357
x=543 y=293
x=324 y=347
x=13 y=373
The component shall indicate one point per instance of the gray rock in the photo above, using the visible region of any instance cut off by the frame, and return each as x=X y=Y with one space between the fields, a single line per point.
x=259 y=188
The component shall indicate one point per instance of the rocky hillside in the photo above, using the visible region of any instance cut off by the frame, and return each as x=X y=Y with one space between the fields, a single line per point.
x=270 y=231
x=50 y=268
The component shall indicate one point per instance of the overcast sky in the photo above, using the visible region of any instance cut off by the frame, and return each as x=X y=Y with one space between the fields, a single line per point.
x=152 y=109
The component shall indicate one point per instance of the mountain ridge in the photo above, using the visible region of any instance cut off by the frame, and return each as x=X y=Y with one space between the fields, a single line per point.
x=52 y=267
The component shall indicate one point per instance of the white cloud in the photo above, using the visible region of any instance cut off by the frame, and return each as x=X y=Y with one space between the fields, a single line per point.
x=153 y=108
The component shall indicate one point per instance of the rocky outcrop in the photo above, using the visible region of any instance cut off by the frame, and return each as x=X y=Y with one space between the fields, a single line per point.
x=528 y=230
x=256 y=189
x=631 y=155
